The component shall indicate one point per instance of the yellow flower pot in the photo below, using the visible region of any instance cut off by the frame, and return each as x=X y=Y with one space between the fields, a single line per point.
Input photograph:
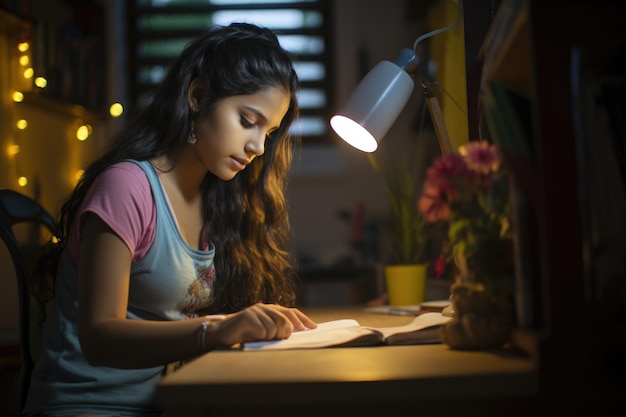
x=406 y=284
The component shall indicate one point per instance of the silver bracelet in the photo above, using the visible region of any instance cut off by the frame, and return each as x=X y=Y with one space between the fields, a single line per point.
x=202 y=335
x=203 y=330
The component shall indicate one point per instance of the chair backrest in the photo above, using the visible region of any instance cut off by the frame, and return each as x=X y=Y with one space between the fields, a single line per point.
x=18 y=208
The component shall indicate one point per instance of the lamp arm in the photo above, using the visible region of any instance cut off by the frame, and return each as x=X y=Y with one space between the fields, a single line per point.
x=437 y=118
x=431 y=99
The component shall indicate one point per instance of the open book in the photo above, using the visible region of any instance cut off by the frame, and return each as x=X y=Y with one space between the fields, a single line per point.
x=348 y=332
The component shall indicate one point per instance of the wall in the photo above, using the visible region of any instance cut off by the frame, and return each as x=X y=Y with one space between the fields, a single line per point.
x=448 y=51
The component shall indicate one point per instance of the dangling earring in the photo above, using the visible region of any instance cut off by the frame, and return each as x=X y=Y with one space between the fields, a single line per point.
x=192 y=139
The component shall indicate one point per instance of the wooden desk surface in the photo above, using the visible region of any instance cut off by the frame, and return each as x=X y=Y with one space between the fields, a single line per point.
x=227 y=380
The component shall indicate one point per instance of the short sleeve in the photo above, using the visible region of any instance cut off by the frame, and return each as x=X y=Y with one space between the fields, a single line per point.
x=121 y=196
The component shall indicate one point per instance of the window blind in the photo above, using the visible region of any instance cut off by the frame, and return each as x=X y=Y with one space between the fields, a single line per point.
x=158 y=30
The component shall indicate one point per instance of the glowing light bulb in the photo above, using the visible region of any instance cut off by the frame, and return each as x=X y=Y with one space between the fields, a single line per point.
x=13 y=150
x=23 y=46
x=78 y=175
x=28 y=73
x=83 y=132
x=41 y=82
x=22 y=124
x=24 y=60
x=17 y=96
x=116 y=110
x=22 y=181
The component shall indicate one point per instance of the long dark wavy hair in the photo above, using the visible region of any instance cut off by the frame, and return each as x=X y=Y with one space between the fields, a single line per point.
x=247 y=216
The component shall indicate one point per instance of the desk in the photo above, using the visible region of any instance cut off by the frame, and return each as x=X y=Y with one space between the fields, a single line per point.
x=377 y=381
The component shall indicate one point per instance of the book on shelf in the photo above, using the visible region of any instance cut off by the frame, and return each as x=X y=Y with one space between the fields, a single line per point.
x=508 y=116
x=599 y=105
x=423 y=329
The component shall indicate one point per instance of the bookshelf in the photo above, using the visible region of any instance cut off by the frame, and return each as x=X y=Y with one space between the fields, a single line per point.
x=67 y=49
x=549 y=74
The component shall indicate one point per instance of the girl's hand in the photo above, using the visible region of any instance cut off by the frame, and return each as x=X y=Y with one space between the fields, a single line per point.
x=258 y=322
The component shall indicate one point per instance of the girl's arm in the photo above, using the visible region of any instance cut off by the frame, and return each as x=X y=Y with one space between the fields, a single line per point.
x=109 y=339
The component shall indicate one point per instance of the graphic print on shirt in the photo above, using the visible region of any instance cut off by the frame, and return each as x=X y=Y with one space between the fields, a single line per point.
x=199 y=293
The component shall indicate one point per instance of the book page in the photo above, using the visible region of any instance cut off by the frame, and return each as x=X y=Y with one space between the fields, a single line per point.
x=343 y=332
x=423 y=329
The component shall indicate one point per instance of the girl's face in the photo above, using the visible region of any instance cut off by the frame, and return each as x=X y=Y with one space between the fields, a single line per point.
x=235 y=132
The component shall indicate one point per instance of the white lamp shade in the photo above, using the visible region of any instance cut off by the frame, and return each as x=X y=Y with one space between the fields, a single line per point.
x=374 y=106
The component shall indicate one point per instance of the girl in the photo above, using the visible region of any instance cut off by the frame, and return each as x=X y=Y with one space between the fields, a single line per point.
x=184 y=216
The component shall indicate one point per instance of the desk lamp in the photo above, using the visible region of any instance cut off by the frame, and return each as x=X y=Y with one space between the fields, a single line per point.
x=380 y=97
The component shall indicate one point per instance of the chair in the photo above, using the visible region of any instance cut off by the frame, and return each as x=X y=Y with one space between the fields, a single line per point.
x=17 y=208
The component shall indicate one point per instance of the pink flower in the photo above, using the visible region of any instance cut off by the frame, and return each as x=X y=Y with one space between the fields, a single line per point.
x=431 y=205
x=481 y=157
x=448 y=173
x=446 y=169
x=452 y=177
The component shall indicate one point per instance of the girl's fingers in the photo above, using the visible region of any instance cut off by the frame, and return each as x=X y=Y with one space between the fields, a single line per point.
x=298 y=319
x=269 y=324
x=265 y=322
x=277 y=324
x=260 y=323
x=306 y=322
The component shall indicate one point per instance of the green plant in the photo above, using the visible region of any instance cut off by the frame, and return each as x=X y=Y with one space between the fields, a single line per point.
x=407 y=230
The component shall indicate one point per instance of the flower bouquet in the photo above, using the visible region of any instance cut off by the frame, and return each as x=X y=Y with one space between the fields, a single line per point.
x=469 y=190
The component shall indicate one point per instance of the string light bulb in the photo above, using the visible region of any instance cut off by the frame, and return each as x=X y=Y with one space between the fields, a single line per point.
x=83 y=132
x=116 y=110
x=17 y=96
x=78 y=175
x=23 y=46
x=13 y=150
x=41 y=82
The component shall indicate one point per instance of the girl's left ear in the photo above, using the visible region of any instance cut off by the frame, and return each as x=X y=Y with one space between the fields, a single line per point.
x=197 y=90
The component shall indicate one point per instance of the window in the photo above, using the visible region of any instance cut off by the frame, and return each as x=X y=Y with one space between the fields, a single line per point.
x=159 y=29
